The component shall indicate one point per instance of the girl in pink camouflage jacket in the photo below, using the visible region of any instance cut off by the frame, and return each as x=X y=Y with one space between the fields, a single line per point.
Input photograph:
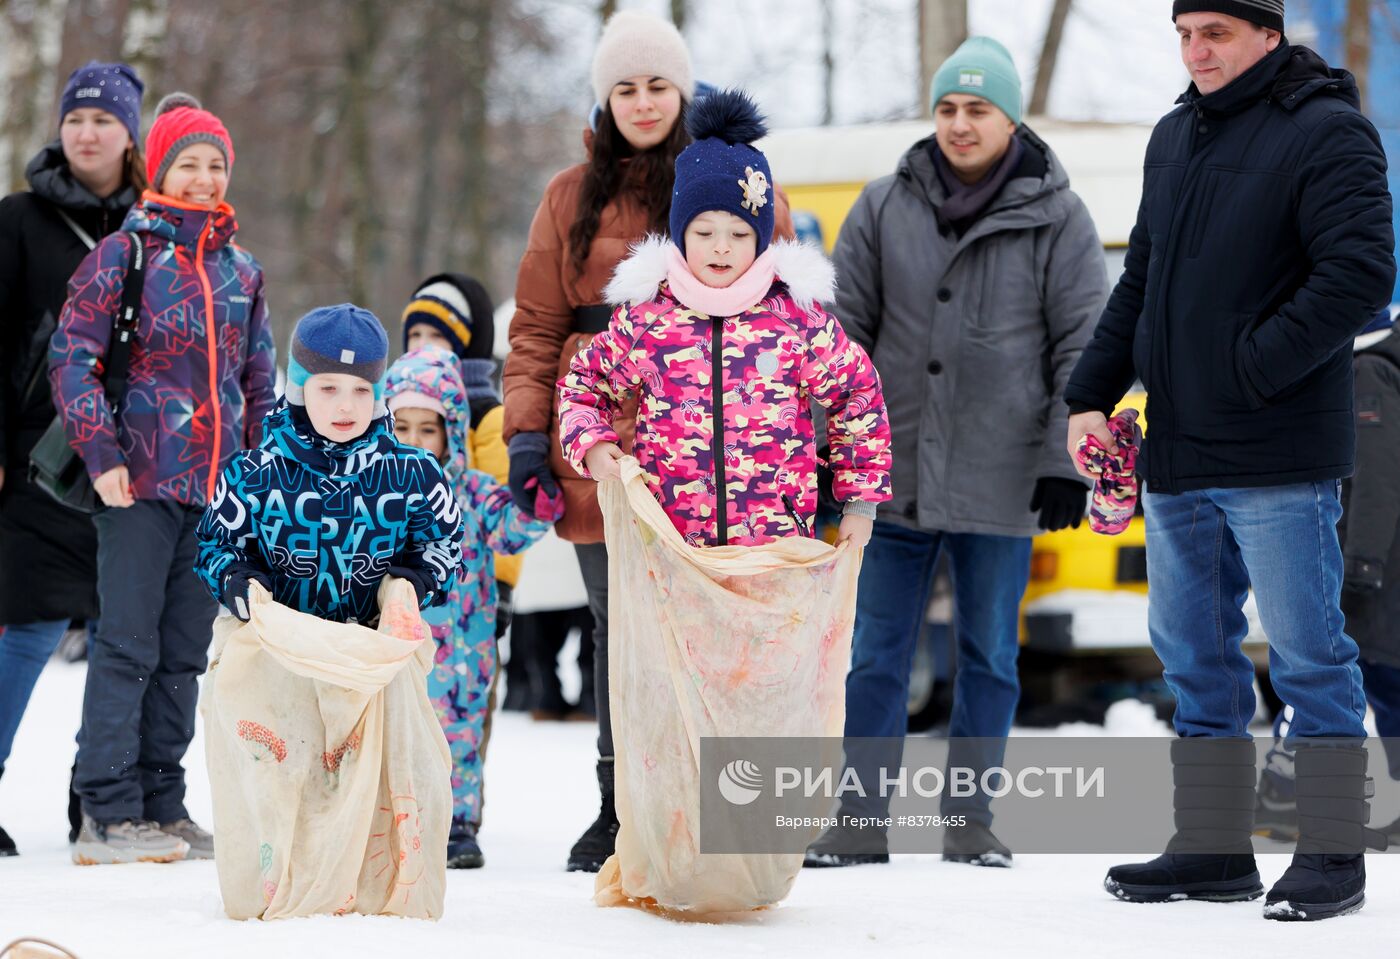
x=721 y=328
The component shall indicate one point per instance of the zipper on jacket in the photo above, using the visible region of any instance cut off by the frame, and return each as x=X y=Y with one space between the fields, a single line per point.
x=797 y=521
x=213 y=357
x=717 y=442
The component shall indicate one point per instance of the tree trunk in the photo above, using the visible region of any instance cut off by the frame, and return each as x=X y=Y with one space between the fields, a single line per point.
x=942 y=29
x=1049 y=55
x=478 y=200
x=434 y=62
x=143 y=39
x=363 y=37
x=828 y=63
x=606 y=8
x=1358 y=46
x=33 y=46
x=679 y=8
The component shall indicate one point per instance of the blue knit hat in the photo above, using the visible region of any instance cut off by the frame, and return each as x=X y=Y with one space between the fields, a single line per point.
x=722 y=170
x=113 y=87
x=338 y=339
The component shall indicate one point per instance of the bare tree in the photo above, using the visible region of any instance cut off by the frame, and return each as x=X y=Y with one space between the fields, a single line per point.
x=679 y=8
x=143 y=38
x=942 y=29
x=1358 y=46
x=34 y=37
x=828 y=63
x=1049 y=56
x=363 y=37
x=606 y=8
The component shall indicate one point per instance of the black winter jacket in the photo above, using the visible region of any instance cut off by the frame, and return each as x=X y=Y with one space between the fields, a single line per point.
x=1263 y=245
x=48 y=554
x=1370 y=526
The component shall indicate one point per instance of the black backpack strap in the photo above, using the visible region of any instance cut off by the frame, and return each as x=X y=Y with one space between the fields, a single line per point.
x=124 y=324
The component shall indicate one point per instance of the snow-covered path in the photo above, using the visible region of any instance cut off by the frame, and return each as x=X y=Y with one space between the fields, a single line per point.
x=523 y=905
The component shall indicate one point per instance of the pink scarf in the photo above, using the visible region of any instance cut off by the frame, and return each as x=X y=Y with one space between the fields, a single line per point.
x=745 y=292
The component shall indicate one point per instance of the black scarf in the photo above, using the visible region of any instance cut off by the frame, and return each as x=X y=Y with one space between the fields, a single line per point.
x=967 y=202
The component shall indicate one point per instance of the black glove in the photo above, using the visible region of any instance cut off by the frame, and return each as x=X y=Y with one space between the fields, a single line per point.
x=422 y=580
x=234 y=595
x=1060 y=502
x=505 y=608
x=1363 y=576
x=529 y=457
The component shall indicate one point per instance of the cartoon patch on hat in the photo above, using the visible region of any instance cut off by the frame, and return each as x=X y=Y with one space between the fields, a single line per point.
x=755 y=188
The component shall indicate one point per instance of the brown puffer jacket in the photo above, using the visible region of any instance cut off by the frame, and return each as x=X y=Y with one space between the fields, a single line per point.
x=543 y=340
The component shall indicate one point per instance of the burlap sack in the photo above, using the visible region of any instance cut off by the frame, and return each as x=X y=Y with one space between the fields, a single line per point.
x=728 y=641
x=331 y=775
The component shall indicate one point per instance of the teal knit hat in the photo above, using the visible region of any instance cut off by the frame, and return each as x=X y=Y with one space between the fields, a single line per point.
x=982 y=68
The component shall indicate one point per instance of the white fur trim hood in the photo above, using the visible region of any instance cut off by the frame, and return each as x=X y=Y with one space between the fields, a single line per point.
x=809 y=275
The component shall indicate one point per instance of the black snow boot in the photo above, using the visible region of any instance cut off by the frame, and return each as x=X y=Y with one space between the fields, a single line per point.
x=463 y=851
x=976 y=845
x=1276 y=815
x=848 y=845
x=1210 y=856
x=599 y=839
x=1327 y=876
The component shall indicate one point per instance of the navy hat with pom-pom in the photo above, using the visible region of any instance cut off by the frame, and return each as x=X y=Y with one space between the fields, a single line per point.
x=721 y=169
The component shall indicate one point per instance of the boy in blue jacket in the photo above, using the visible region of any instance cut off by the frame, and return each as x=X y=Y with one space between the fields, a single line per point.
x=330 y=502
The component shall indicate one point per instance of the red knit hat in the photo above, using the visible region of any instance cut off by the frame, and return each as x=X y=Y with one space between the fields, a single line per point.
x=181 y=121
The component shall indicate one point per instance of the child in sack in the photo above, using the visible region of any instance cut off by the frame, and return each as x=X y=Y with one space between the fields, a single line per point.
x=330 y=502
x=722 y=335
x=432 y=411
x=453 y=311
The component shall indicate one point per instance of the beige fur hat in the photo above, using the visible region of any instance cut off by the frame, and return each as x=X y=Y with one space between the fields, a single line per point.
x=636 y=43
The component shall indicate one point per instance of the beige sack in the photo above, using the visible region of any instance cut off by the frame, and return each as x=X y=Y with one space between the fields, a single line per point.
x=727 y=641
x=331 y=775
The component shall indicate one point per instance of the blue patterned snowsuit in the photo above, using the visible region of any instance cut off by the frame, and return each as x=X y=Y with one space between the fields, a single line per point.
x=465 y=628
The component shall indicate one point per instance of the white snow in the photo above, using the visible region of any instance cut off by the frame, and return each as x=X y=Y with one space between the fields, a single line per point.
x=540 y=795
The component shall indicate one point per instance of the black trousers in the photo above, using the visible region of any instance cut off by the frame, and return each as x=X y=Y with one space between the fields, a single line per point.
x=152 y=643
x=593 y=564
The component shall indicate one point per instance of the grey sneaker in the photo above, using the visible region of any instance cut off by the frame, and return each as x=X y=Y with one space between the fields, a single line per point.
x=132 y=840
x=200 y=841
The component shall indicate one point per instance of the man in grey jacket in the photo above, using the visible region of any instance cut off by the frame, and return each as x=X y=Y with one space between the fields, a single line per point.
x=973 y=277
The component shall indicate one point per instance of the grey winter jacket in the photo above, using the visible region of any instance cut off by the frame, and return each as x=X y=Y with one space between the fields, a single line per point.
x=974 y=337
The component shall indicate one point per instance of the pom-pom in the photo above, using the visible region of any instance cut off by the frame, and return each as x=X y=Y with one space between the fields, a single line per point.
x=173 y=101
x=729 y=115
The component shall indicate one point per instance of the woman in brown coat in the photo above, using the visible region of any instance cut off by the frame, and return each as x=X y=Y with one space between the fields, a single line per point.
x=591 y=213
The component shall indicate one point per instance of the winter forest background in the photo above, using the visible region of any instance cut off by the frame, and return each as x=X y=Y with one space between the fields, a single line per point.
x=380 y=140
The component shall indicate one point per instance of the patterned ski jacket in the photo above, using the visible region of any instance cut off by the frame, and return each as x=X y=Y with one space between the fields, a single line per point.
x=771 y=360
x=201 y=374
x=490 y=517
x=326 y=520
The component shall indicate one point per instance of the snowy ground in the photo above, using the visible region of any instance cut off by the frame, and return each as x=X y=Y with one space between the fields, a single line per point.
x=539 y=797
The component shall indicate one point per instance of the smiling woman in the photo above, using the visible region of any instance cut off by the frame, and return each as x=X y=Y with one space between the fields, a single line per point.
x=201 y=365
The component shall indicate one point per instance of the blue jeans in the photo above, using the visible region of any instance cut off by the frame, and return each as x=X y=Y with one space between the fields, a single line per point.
x=1382 y=684
x=989 y=578
x=23 y=652
x=1204 y=550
